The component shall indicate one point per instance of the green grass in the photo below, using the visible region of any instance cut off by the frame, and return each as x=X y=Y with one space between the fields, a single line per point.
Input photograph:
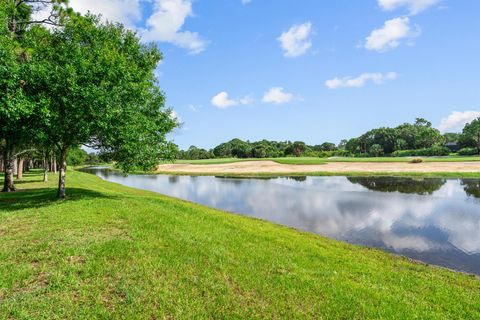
x=405 y=159
x=313 y=160
x=114 y=252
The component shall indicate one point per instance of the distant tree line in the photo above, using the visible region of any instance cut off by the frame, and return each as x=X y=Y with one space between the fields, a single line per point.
x=408 y=139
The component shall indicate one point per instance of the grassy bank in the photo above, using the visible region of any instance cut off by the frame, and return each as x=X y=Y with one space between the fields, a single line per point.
x=451 y=175
x=114 y=252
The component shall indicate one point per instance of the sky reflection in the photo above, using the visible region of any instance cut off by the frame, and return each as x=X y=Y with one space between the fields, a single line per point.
x=433 y=220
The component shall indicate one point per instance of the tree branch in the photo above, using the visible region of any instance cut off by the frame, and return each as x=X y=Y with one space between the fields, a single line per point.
x=22 y=152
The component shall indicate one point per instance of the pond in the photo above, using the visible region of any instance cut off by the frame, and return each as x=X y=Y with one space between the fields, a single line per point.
x=433 y=220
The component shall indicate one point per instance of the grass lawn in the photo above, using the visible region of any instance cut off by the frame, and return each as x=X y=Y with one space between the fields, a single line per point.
x=114 y=252
x=405 y=159
x=313 y=160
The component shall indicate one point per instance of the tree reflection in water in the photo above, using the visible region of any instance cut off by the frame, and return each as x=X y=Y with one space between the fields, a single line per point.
x=424 y=186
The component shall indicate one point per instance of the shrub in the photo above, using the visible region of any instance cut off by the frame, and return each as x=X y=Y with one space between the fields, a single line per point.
x=468 y=152
x=426 y=152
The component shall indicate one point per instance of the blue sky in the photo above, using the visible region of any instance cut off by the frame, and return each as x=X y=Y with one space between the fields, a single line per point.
x=306 y=69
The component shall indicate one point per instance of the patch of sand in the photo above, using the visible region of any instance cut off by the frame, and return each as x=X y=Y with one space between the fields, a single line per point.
x=333 y=167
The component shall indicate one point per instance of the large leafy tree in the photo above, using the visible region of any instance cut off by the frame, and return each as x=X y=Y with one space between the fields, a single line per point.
x=470 y=136
x=97 y=81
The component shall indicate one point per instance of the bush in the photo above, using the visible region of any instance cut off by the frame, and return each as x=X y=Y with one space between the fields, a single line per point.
x=438 y=151
x=468 y=152
x=76 y=157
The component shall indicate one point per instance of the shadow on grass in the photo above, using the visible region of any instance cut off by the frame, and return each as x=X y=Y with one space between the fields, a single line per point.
x=36 y=198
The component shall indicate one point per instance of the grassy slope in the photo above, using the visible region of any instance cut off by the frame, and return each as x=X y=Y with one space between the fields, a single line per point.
x=115 y=252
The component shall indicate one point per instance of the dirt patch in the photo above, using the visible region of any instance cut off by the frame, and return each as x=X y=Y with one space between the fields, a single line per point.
x=330 y=167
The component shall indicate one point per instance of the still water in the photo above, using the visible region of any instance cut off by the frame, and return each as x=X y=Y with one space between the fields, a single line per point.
x=433 y=220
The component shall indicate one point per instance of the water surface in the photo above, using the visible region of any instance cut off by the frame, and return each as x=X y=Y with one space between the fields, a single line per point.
x=433 y=220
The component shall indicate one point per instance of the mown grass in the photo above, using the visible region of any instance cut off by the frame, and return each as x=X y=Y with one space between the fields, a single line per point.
x=114 y=252
x=313 y=160
x=406 y=159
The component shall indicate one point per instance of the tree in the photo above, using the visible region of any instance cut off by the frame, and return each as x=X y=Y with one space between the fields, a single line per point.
x=451 y=137
x=342 y=145
x=298 y=148
x=97 y=82
x=16 y=108
x=328 y=146
x=376 y=150
x=470 y=136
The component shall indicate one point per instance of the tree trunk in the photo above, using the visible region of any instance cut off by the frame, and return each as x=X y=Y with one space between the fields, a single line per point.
x=15 y=167
x=54 y=164
x=45 y=169
x=63 y=173
x=20 y=169
x=8 y=163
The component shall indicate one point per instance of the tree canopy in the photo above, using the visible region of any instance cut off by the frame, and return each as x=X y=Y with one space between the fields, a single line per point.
x=87 y=83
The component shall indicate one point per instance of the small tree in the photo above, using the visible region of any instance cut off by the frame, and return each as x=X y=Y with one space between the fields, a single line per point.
x=376 y=150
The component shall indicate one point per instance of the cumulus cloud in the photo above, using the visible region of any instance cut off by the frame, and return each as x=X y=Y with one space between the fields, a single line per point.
x=166 y=23
x=223 y=100
x=296 y=41
x=457 y=120
x=277 y=95
x=125 y=11
x=413 y=6
x=360 y=81
x=391 y=34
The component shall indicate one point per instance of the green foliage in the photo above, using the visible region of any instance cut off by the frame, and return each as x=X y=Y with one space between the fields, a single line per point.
x=470 y=137
x=194 y=153
x=426 y=152
x=99 y=84
x=468 y=151
x=77 y=157
x=451 y=137
x=376 y=150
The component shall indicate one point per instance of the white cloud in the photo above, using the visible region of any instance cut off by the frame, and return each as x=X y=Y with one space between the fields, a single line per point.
x=414 y=6
x=125 y=11
x=360 y=81
x=296 y=41
x=457 y=120
x=223 y=100
x=244 y=2
x=195 y=108
x=166 y=23
x=391 y=34
x=277 y=95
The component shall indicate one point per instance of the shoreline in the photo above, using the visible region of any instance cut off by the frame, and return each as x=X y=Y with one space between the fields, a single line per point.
x=271 y=168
